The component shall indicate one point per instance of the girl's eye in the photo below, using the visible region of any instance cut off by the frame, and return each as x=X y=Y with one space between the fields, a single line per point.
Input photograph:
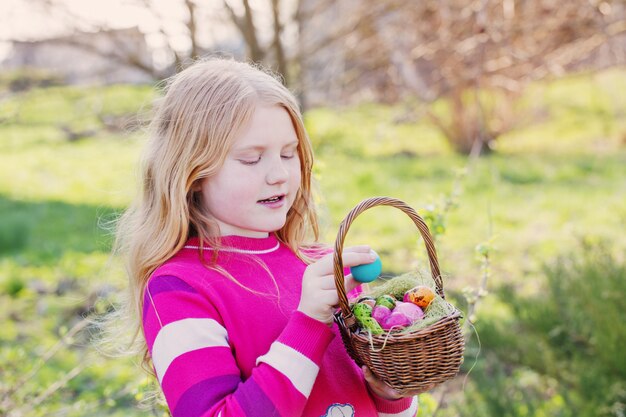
x=288 y=156
x=250 y=162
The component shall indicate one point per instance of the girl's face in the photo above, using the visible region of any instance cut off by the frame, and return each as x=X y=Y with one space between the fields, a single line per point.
x=255 y=188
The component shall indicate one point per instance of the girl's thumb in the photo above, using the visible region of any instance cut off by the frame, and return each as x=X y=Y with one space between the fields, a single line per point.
x=350 y=283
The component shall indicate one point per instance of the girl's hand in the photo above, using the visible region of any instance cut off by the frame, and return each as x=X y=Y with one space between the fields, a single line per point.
x=383 y=390
x=319 y=295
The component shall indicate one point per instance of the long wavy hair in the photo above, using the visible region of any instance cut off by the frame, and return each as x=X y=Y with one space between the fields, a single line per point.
x=202 y=112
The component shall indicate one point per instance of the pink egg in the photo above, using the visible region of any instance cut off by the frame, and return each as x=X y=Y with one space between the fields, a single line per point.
x=380 y=313
x=397 y=320
x=410 y=310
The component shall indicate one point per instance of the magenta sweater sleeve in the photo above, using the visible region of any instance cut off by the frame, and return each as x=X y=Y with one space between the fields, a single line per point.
x=197 y=370
x=405 y=407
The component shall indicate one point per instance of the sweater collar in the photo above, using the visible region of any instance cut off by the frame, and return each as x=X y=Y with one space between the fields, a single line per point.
x=240 y=244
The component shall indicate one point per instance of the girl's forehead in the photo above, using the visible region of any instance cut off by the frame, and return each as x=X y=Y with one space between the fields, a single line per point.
x=268 y=126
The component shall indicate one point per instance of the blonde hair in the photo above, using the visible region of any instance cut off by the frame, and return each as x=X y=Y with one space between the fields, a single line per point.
x=204 y=109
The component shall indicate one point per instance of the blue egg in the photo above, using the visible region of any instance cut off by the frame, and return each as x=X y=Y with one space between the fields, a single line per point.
x=367 y=272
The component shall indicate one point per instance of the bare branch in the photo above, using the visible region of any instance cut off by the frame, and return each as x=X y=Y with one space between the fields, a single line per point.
x=119 y=55
x=277 y=44
x=247 y=29
x=193 y=30
x=178 y=59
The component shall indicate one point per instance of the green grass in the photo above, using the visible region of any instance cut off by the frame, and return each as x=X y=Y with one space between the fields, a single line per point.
x=552 y=182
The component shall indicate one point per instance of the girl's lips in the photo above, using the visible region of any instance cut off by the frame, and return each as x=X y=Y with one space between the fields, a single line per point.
x=272 y=199
x=273 y=202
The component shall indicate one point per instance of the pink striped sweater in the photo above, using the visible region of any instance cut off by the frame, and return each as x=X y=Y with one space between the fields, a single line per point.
x=221 y=350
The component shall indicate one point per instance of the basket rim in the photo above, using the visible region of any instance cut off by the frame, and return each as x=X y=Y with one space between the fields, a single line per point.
x=391 y=337
x=343 y=231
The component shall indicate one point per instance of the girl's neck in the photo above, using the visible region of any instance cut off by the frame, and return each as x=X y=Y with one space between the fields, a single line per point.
x=247 y=243
x=250 y=235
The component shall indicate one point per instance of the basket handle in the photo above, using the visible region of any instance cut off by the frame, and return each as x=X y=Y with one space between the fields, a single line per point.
x=341 y=235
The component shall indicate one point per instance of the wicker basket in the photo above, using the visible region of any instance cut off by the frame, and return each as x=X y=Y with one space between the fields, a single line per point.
x=413 y=361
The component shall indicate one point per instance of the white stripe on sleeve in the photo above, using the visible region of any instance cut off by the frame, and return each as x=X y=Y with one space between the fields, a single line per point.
x=409 y=412
x=183 y=336
x=299 y=369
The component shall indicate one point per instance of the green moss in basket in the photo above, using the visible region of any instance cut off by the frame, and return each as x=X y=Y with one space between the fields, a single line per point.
x=397 y=286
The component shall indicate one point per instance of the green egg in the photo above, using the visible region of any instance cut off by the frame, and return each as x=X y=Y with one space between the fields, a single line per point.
x=362 y=311
x=369 y=323
x=387 y=301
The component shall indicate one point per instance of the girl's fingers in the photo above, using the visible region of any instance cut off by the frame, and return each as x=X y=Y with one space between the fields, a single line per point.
x=359 y=248
x=378 y=386
x=358 y=258
x=350 y=283
x=325 y=266
x=327 y=299
x=327 y=282
x=413 y=393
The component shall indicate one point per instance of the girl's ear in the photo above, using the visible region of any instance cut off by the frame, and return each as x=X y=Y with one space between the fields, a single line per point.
x=196 y=186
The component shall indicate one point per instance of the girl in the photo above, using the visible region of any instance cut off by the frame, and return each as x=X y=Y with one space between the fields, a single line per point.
x=235 y=309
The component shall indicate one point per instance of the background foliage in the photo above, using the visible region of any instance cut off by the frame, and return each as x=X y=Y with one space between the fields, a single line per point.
x=530 y=237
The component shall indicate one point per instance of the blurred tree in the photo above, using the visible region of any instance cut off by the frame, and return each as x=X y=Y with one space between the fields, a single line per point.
x=459 y=49
x=475 y=55
x=263 y=32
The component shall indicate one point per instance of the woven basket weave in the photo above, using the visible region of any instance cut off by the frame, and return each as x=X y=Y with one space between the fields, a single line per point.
x=412 y=361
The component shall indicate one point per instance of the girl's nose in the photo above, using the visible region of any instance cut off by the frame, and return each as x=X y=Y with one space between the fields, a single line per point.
x=277 y=173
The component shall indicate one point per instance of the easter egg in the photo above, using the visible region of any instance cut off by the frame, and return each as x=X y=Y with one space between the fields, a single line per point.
x=372 y=325
x=367 y=300
x=380 y=313
x=362 y=311
x=420 y=295
x=412 y=311
x=387 y=301
x=367 y=272
x=397 y=320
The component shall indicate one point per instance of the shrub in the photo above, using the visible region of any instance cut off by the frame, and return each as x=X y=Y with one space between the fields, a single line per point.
x=569 y=334
x=28 y=78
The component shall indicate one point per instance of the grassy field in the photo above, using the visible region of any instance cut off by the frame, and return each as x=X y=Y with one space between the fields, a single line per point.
x=551 y=184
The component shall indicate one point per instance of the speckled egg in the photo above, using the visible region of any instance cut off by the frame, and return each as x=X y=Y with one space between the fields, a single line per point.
x=372 y=325
x=362 y=311
x=387 y=301
x=420 y=296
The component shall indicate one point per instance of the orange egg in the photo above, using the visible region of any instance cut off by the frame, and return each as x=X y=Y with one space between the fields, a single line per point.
x=420 y=296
